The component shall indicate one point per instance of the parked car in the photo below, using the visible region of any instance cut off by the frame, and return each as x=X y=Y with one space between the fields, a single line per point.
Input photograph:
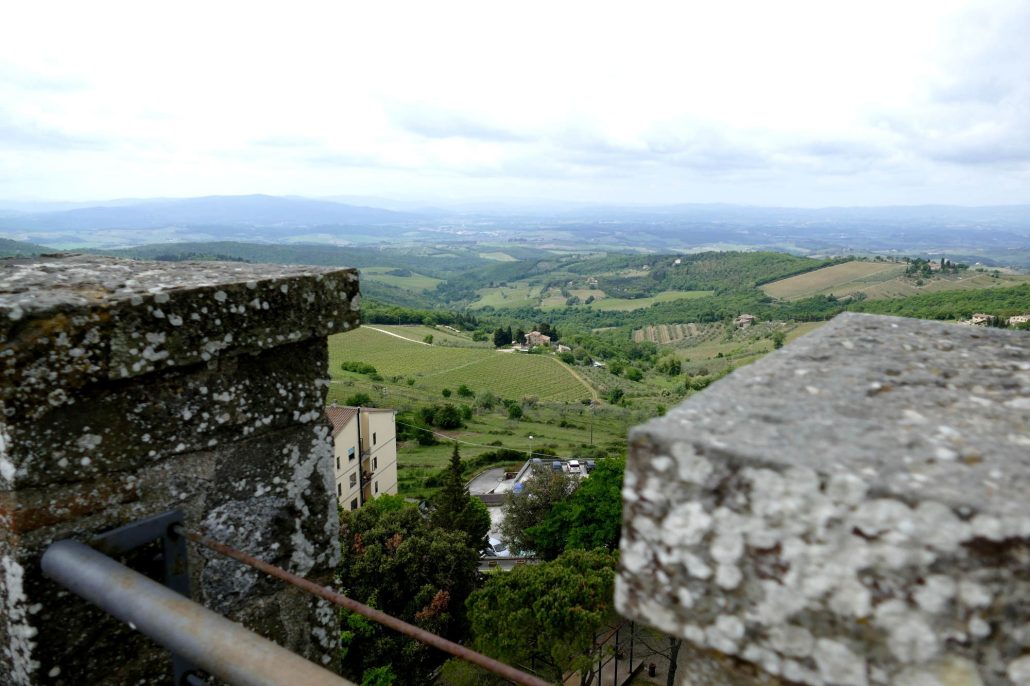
x=495 y=548
x=574 y=466
x=556 y=465
x=590 y=465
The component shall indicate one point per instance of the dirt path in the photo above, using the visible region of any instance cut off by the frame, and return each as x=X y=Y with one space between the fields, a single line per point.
x=391 y=333
x=594 y=395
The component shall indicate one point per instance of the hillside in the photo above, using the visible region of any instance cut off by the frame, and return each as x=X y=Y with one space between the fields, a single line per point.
x=878 y=280
x=9 y=248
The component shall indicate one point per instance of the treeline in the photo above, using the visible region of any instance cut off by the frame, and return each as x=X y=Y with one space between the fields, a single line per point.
x=375 y=312
x=954 y=305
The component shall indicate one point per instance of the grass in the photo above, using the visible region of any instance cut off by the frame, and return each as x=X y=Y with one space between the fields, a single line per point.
x=508 y=296
x=440 y=336
x=880 y=280
x=508 y=375
x=415 y=282
x=498 y=256
x=625 y=305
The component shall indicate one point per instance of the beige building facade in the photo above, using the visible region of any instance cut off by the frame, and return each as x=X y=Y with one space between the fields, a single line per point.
x=364 y=454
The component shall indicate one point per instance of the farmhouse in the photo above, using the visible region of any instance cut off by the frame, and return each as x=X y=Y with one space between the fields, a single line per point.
x=537 y=338
x=1018 y=319
x=744 y=321
x=980 y=319
x=564 y=348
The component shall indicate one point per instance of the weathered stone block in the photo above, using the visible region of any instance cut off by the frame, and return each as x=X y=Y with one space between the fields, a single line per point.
x=130 y=388
x=850 y=510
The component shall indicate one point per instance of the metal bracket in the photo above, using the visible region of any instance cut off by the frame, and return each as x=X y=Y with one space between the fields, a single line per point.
x=162 y=526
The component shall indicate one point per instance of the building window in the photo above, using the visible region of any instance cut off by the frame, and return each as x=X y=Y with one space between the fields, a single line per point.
x=350 y=454
x=353 y=479
x=337 y=461
x=354 y=504
x=376 y=484
x=339 y=489
x=373 y=438
x=375 y=463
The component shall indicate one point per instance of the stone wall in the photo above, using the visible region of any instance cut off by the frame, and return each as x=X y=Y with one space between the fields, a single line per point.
x=129 y=388
x=852 y=509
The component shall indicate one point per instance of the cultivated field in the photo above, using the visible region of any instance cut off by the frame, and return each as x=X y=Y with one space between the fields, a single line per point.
x=880 y=280
x=508 y=296
x=497 y=256
x=665 y=333
x=839 y=279
x=415 y=282
x=433 y=367
x=440 y=336
x=625 y=304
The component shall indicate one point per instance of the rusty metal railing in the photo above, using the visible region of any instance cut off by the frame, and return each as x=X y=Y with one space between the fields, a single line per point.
x=201 y=641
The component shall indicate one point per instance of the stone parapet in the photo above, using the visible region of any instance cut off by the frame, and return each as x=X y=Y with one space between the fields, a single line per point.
x=852 y=509
x=129 y=388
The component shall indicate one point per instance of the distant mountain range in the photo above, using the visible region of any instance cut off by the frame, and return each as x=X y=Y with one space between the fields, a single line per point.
x=995 y=235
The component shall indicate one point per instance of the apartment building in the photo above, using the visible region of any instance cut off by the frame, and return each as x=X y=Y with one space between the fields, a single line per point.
x=364 y=453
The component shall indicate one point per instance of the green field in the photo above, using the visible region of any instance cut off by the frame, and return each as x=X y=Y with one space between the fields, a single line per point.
x=508 y=375
x=516 y=295
x=498 y=256
x=879 y=280
x=415 y=282
x=625 y=305
x=418 y=332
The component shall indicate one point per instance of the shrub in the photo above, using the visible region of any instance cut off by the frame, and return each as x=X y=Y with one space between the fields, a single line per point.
x=358 y=367
x=446 y=392
x=465 y=392
x=359 y=400
x=514 y=411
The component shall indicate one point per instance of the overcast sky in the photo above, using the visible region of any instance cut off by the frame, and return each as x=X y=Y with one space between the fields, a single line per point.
x=783 y=103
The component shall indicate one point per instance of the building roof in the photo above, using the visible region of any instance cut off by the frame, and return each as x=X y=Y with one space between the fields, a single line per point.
x=340 y=417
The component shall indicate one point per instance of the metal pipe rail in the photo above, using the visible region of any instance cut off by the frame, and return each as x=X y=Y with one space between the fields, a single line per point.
x=219 y=646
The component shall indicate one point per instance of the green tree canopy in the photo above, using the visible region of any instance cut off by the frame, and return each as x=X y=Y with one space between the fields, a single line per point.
x=543 y=490
x=393 y=560
x=547 y=614
x=590 y=518
x=455 y=510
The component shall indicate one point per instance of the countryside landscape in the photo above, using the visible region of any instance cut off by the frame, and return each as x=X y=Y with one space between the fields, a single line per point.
x=548 y=344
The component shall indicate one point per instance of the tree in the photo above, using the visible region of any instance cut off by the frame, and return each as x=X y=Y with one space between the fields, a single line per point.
x=465 y=392
x=502 y=337
x=547 y=614
x=614 y=396
x=590 y=518
x=447 y=416
x=514 y=411
x=428 y=339
x=359 y=400
x=393 y=560
x=777 y=339
x=524 y=510
x=455 y=510
x=446 y=392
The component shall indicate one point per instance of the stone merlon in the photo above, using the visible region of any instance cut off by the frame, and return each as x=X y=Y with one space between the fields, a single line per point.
x=131 y=388
x=852 y=509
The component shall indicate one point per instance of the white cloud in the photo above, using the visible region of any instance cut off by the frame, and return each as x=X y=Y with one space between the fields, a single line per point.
x=796 y=102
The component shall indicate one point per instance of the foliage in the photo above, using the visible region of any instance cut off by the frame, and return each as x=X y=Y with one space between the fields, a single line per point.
x=465 y=392
x=446 y=393
x=547 y=614
x=544 y=489
x=590 y=518
x=428 y=339
x=455 y=510
x=615 y=395
x=378 y=676
x=567 y=357
x=1003 y=302
x=444 y=416
x=359 y=400
x=358 y=367
x=393 y=560
x=514 y=411
x=778 y=338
